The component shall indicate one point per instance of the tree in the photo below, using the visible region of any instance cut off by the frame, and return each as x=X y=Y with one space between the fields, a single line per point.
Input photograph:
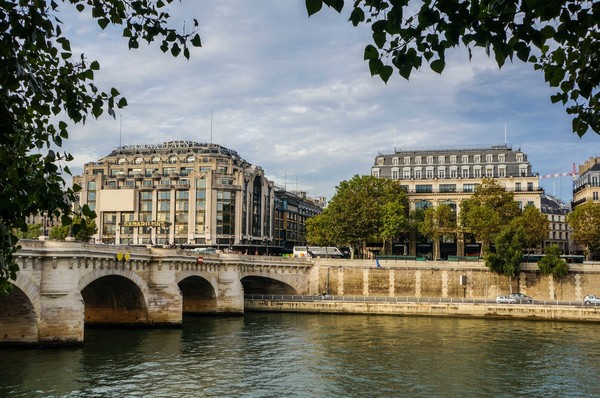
x=356 y=211
x=489 y=209
x=509 y=252
x=558 y=37
x=438 y=221
x=394 y=221
x=43 y=87
x=584 y=220
x=552 y=264
x=86 y=229
x=33 y=232
x=535 y=224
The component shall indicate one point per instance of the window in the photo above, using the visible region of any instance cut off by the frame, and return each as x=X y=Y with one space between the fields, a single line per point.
x=394 y=174
x=406 y=174
x=173 y=159
x=523 y=170
x=489 y=172
x=222 y=169
x=429 y=173
x=519 y=157
x=477 y=172
x=469 y=187
x=594 y=195
x=441 y=159
x=406 y=160
x=447 y=187
x=453 y=159
x=502 y=172
x=423 y=188
x=122 y=161
x=465 y=158
x=530 y=186
x=423 y=204
x=190 y=159
x=418 y=174
x=375 y=173
x=418 y=160
x=489 y=158
x=501 y=158
x=465 y=173
x=517 y=186
x=429 y=159
x=138 y=160
x=453 y=173
x=156 y=159
x=442 y=172
x=477 y=158
x=395 y=161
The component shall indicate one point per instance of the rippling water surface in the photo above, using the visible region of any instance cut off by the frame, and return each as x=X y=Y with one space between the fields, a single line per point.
x=302 y=355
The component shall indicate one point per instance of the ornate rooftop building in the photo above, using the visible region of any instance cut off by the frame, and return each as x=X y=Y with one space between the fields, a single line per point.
x=435 y=176
x=179 y=193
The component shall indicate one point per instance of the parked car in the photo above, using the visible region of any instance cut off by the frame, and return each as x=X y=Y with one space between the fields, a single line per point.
x=521 y=298
x=591 y=299
x=505 y=300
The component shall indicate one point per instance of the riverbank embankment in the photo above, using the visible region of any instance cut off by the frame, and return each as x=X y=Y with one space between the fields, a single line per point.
x=465 y=310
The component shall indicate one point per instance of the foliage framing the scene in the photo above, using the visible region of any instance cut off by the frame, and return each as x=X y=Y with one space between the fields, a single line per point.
x=560 y=38
x=43 y=86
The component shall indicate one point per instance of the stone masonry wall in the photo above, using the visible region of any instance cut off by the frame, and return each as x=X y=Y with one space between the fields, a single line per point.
x=442 y=279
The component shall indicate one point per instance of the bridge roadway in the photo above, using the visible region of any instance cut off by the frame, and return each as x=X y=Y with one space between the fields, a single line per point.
x=63 y=285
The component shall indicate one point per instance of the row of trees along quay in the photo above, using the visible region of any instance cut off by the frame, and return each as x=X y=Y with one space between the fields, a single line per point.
x=45 y=87
x=371 y=209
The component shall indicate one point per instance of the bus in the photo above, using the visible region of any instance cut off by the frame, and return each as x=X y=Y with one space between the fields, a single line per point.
x=318 y=252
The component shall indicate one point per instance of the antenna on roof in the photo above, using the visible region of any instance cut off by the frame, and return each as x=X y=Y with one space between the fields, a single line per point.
x=211 y=114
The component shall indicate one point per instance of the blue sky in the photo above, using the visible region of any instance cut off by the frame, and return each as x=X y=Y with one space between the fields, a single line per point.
x=293 y=95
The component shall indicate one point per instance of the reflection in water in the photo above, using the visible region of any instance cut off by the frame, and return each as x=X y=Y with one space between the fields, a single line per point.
x=302 y=355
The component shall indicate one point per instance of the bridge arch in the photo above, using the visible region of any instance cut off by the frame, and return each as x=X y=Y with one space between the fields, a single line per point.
x=198 y=295
x=114 y=297
x=19 y=313
x=255 y=284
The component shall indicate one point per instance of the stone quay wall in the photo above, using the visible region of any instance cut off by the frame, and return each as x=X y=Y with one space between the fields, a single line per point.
x=400 y=278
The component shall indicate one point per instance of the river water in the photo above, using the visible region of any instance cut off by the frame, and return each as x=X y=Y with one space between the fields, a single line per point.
x=312 y=355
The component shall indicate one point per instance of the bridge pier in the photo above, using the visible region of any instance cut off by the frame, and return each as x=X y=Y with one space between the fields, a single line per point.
x=164 y=297
x=230 y=299
x=61 y=307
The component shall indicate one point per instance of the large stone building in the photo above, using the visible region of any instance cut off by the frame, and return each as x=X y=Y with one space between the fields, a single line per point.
x=292 y=209
x=433 y=177
x=587 y=186
x=179 y=193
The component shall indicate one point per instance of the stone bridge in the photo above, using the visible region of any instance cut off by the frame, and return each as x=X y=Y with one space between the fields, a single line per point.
x=63 y=285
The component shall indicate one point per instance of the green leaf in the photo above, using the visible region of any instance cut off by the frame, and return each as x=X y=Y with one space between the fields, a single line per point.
x=103 y=22
x=313 y=6
x=385 y=73
x=438 y=66
x=122 y=102
x=196 y=41
x=371 y=52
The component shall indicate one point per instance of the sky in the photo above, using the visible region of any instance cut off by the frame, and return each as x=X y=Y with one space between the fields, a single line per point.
x=293 y=95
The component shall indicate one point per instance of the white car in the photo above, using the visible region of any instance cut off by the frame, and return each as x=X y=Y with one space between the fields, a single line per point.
x=505 y=300
x=591 y=299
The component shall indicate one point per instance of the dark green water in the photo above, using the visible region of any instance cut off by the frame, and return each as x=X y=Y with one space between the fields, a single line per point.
x=301 y=355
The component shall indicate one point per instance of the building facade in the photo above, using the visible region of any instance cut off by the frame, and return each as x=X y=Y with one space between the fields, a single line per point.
x=292 y=209
x=449 y=176
x=558 y=233
x=179 y=193
x=587 y=186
